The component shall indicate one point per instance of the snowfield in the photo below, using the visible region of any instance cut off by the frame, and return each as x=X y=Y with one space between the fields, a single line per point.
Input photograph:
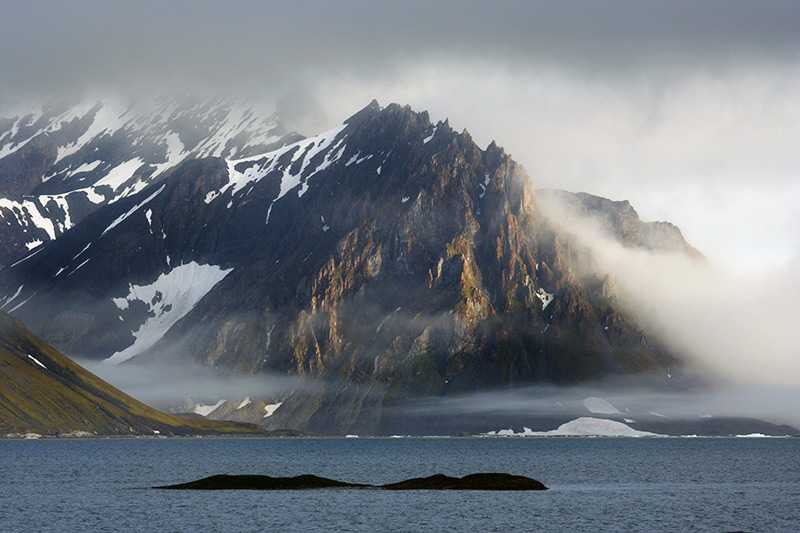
x=169 y=298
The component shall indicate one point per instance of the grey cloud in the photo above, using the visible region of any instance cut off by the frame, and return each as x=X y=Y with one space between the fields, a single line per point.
x=687 y=109
x=260 y=46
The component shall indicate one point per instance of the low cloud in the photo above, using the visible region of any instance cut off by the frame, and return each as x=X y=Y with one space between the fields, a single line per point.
x=636 y=398
x=169 y=384
x=737 y=326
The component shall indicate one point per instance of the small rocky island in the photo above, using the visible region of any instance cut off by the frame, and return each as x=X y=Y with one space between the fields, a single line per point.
x=486 y=481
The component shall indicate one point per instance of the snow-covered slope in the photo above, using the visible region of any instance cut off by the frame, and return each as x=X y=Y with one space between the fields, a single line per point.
x=167 y=299
x=57 y=165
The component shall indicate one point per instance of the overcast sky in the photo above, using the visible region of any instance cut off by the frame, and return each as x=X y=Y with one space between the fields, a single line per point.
x=690 y=110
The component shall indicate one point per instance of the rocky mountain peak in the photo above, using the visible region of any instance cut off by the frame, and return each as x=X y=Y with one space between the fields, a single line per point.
x=385 y=259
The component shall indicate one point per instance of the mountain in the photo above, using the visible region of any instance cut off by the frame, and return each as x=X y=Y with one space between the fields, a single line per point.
x=620 y=220
x=61 y=163
x=387 y=259
x=45 y=393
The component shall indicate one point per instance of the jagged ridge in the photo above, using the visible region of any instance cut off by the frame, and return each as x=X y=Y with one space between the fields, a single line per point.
x=387 y=259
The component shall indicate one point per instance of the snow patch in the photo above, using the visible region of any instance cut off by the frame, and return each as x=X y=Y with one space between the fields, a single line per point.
x=120 y=174
x=7 y=301
x=244 y=403
x=430 y=137
x=484 y=186
x=27 y=214
x=168 y=299
x=23 y=302
x=544 y=297
x=32 y=358
x=149 y=216
x=264 y=164
x=74 y=257
x=86 y=167
x=270 y=409
x=132 y=210
x=105 y=120
x=175 y=152
x=207 y=409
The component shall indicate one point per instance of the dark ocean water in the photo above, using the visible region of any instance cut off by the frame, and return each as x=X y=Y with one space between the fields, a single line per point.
x=596 y=485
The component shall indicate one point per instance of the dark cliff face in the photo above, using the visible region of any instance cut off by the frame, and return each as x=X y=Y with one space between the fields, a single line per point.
x=386 y=260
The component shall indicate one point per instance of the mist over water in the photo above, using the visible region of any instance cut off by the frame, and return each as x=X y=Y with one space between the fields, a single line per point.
x=169 y=384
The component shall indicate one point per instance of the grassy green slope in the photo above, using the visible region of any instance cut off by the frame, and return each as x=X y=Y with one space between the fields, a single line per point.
x=63 y=397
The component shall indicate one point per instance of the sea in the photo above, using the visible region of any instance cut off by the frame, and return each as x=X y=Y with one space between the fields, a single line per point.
x=595 y=484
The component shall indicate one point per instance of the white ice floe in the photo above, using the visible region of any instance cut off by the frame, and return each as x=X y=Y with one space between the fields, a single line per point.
x=599 y=406
x=207 y=409
x=169 y=298
x=270 y=409
x=580 y=427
